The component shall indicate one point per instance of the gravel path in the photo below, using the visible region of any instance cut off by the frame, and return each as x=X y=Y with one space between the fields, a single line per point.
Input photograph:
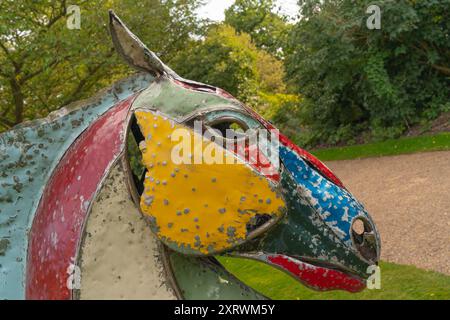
x=408 y=196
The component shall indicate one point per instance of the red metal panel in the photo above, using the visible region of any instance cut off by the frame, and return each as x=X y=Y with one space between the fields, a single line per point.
x=259 y=161
x=319 y=278
x=58 y=224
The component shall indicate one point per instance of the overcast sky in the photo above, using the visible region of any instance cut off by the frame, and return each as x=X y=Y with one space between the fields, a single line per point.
x=214 y=9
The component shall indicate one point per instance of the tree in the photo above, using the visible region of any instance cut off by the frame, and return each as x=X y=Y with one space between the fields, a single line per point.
x=258 y=18
x=44 y=65
x=232 y=62
x=356 y=80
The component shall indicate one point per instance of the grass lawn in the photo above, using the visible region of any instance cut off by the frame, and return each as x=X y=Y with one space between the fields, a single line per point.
x=407 y=145
x=397 y=282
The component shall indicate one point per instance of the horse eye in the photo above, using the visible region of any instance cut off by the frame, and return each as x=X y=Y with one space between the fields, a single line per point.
x=224 y=126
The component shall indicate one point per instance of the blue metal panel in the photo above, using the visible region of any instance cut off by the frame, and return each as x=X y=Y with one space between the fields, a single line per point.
x=335 y=205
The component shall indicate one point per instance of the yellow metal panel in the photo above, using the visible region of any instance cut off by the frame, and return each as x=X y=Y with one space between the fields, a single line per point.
x=200 y=207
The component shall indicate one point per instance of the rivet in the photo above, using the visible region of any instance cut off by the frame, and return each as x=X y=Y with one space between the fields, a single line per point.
x=148 y=200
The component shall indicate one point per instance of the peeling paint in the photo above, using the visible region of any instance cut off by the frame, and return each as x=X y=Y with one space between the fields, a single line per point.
x=30 y=152
x=4 y=244
x=115 y=226
x=220 y=186
x=51 y=171
x=335 y=205
x=89 y=157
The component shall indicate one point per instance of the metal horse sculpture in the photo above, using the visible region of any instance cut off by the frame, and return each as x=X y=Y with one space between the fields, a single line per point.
x=76 y=222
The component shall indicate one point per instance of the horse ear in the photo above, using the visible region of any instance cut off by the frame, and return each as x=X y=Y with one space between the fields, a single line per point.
x=135 y=53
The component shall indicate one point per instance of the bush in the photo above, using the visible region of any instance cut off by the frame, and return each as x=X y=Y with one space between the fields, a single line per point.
x=356 y=80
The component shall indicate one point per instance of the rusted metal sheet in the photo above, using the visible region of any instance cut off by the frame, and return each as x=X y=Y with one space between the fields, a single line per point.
x=57 y=228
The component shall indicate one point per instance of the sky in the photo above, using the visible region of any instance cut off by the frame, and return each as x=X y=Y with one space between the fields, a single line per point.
x=214 y=9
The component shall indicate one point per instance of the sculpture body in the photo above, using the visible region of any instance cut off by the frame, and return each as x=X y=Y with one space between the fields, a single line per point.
x=70 y=201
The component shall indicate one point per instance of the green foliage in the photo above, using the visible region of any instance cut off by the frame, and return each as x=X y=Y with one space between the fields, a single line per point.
x=283 y=110
x=44 y=65
x=134 y=156
x=268 y=30
x=232 y=62
x=398 y=282
x=353 y=82
x=356 y=80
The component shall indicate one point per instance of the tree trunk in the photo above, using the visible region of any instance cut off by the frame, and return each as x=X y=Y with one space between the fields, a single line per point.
x=18 y=100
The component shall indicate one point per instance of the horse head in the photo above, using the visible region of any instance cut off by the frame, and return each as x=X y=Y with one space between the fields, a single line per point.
x=284 y=208
x=83 y=215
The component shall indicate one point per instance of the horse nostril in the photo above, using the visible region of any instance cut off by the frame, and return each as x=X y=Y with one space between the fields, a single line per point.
x=358 y=227
x=364 y=239
x=257 y=221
